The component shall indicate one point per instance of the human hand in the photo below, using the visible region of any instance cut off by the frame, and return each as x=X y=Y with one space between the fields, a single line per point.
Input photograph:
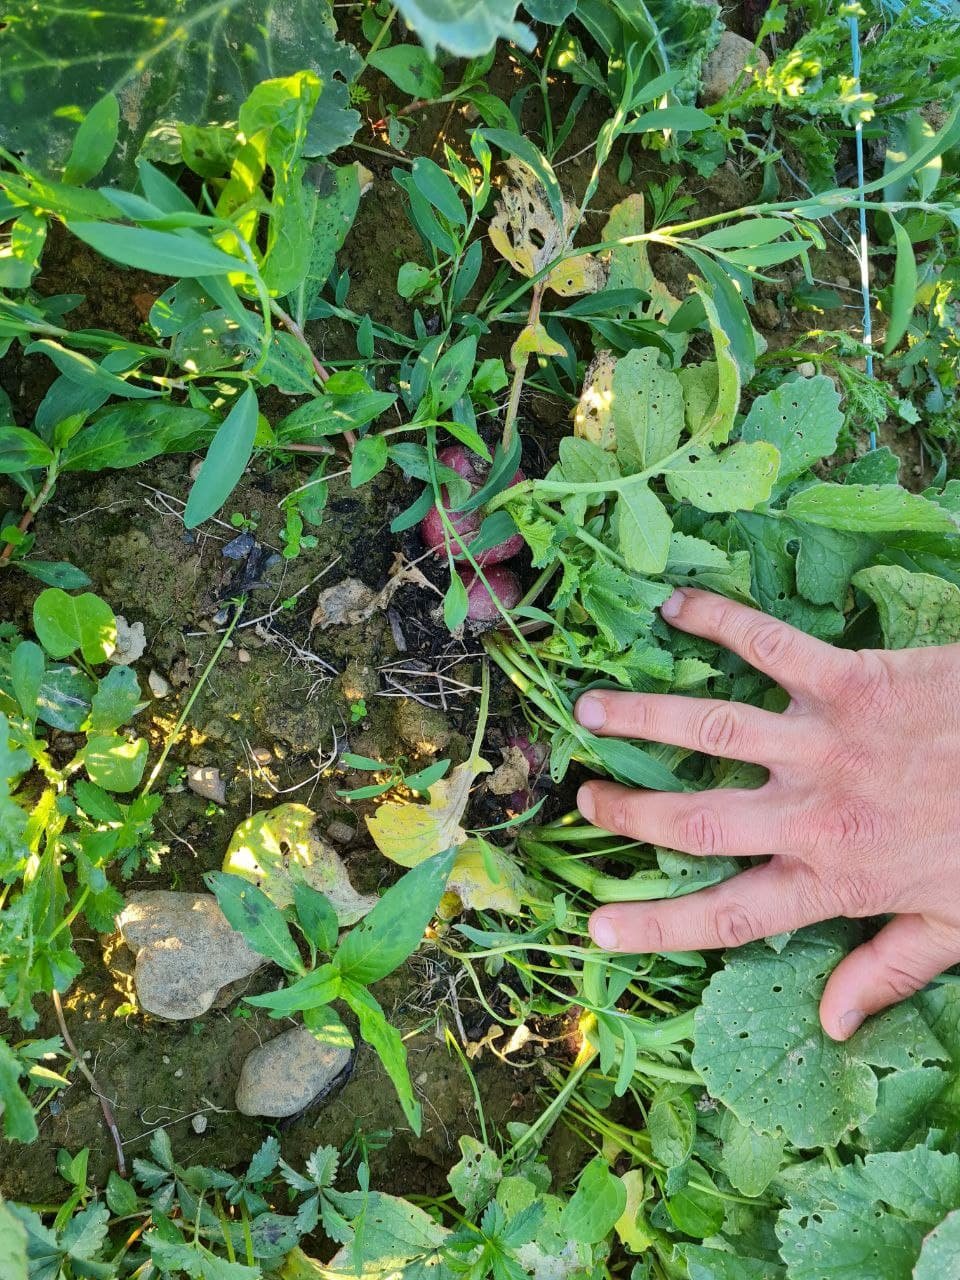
x=861 y=811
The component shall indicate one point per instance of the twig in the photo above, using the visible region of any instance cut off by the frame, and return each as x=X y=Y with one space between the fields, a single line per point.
x=91 y=1080
x=27 y=518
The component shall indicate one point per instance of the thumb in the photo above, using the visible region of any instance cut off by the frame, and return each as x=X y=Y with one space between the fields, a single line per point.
x=901 y=959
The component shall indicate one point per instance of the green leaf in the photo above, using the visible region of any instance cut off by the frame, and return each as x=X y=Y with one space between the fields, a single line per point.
x=646 y=410
x=65 y=698
x=916 y=609
x=761 y=1051
x=116 y=699
x=410 y=68
x=312 y=992
x=225 y=461
x=184 y=256
x=21 y=450
x=750 y=1159
x=696 y=1209
x=13 y=1244
x=596 y=1205
x=316 y=915
x=115 y=763
x=434 y=185
x=802 y=418
x=672 y=1125
x=474 y=1178
x=250 y=912
x=719 y=1264
x=644 y=529
x=904 y=290
x=26 y=676
x=680 y=119
x=394 y=928
x=173 y=61
x=456 y=602
x=18 y=1120
x=127 y=434
x=870 y=508
x=452 y=373
x=63 y=624
x=413 y=279
x=466 y=28
x=95 y=140
x=940 y=1250
x=737 y=478
x=368 y=459
x=388 y=1044
x=867 y=1219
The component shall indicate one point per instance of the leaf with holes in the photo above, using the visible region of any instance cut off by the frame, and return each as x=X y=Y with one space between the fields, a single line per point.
x=761 y=1050
x=916 y=609
x=802 y=418
x=737 y=478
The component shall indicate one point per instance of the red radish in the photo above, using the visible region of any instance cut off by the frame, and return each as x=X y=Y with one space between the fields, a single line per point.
x=467 y=523
x=481 y=605
x=535 y=753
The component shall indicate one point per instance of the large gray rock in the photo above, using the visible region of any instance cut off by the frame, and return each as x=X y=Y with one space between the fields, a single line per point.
x=186 y=952
x=287 y=1073
x=725 y=67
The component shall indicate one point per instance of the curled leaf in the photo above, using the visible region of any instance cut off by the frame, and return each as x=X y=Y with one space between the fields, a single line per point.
x=409 y=833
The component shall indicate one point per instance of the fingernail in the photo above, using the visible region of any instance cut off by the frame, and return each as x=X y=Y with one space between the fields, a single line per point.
x=591 y=713
x=851 y=1020
x=671 y=608
x=585 y=803
x=604 y=932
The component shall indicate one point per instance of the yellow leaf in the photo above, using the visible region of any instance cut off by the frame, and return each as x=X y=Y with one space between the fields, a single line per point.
x=274 y=847
x=592 y=418
x=631 y=1226
x=526 y=233
x=629 y=265
x=486 y=878
x=534 y=340
x=409 y=833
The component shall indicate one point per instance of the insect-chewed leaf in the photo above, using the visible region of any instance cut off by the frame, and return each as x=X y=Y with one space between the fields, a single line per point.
x=275 y=848
x=410 y=833
x=533 y=339
x=592 y=419
x=916 y=609
x=526 y=233
x=629 y=265
x=737 y=478
x=647 y=410
x=802 y=418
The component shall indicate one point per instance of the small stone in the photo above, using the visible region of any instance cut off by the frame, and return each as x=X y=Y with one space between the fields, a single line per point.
x=243 y=655
x=727 y=67
x=261 y=755
x=178 y=1074
x=807 y=369
x=159 y=687
x=131 y=641
x=206 y=782
x=425 y=729
x=287 y=1073
x=343 y=604
x=340 y=832
x=199 y=1124
x=186 y=952
x=843 y=282
x=166 y=1060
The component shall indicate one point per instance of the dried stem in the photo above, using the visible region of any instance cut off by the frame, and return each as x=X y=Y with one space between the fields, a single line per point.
x=92 y=1081
x=520 y=369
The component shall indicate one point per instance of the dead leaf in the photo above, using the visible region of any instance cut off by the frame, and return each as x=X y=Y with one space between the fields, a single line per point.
x=274 y=846
x=534 y=340
x=485 y=878
x=350 y=602
x=591 y=418
x=525 y=232
x=131 y=642
x=408 y=833
x=512 y=775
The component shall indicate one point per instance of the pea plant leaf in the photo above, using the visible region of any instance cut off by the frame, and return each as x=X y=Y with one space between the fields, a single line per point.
x=167 y=61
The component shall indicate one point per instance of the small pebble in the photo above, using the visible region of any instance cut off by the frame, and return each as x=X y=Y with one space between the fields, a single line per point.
x=807 y=370
x=340 y=832
x=159 y=687
x=199 y=1124
x=166 y=1060
x=243 y=655
x=178 y=1073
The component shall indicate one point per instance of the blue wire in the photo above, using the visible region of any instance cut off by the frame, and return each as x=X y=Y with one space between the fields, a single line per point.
x=864 y=242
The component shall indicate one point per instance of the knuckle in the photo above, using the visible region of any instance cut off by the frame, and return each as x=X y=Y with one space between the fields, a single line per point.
x=768 y=642
x=653 y=934
x=853 y=824
x=868 y=689
x=699 y=831
x=719 y=730
x=848 y=760
x=855 y=894
x=901 y=981
x=735 y=925
x=618 y=815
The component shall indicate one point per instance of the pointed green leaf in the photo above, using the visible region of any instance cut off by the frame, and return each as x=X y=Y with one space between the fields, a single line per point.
x=644 y=529
x=225 y=461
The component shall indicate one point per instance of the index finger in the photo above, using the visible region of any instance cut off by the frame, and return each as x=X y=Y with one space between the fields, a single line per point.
x=798 y=662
